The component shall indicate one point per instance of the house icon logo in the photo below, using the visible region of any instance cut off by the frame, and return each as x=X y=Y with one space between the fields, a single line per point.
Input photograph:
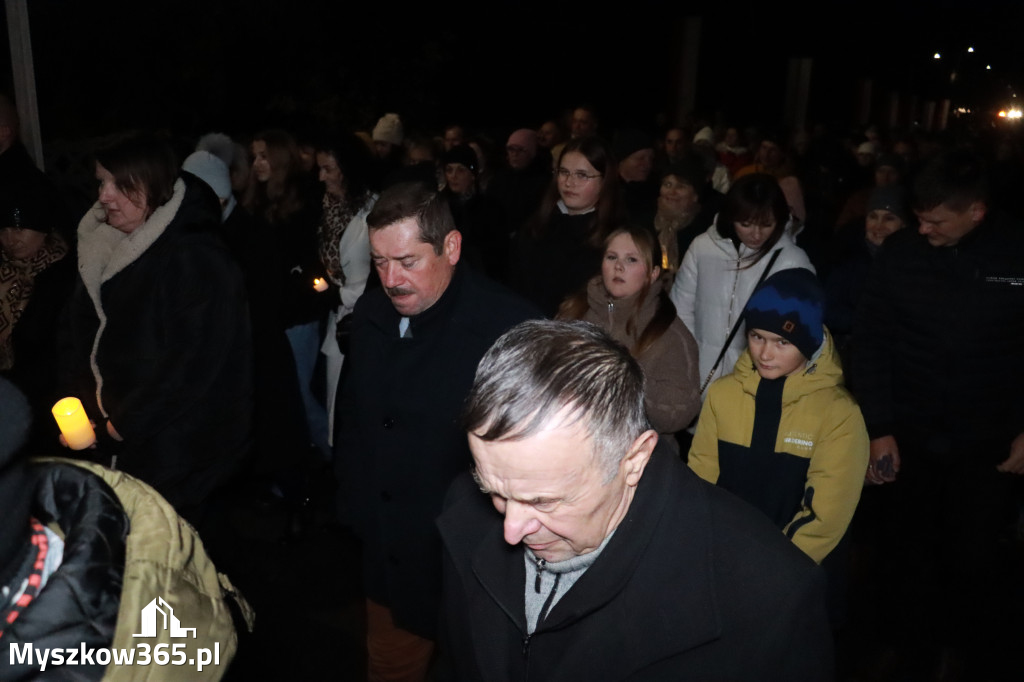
x=159 y=610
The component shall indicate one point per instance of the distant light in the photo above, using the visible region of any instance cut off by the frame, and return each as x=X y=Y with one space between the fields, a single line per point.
x=1014 y=113
x=970 y=49
x=1002 y=114
x=988 y=68
x=937 y=56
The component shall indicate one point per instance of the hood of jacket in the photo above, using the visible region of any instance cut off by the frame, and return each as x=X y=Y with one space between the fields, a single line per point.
x=615 y=313
x=745 y=252
x=823 y=371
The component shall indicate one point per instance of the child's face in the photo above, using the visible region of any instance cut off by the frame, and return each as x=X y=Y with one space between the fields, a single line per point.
x=773 y=355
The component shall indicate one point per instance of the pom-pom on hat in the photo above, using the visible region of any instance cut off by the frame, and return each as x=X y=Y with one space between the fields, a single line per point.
x=791 y=304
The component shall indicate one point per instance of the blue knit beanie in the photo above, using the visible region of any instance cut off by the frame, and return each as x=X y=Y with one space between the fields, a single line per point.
x=791 y=304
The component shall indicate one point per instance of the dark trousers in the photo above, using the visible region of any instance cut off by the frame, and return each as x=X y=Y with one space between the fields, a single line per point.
x=947 y=554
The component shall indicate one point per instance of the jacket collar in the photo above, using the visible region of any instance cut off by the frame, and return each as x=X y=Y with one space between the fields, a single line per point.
x=823 y=371
x=634 y=565
x=104 y=251
x=385 y=317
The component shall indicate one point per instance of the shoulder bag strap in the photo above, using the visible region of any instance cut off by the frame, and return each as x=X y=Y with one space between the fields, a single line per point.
x=739 y=321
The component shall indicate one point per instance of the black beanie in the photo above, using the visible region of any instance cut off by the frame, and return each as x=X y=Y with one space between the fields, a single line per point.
x=791 y=304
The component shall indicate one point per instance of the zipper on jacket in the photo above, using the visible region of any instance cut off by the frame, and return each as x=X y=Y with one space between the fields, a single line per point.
x=611 y=316
x=536 y=582
x=526 y=658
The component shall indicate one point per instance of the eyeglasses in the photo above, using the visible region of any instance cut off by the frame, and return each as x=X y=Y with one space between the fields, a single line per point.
x=515 y=149
x=578 y=176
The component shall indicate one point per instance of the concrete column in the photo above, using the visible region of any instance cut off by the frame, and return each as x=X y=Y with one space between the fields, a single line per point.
x=688 y=54
x=798 y=90
x=23 y=70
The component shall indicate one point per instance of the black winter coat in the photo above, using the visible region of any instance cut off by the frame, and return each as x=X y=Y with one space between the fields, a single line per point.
x=174 y=355
x=558 y=262
x=400 y=443
x=78 y=607
x=937 y=342
x=35 y=342
x=694 y=585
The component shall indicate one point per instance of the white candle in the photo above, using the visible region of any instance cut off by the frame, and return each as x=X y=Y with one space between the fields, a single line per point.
x=320 y=284
x=74 y=423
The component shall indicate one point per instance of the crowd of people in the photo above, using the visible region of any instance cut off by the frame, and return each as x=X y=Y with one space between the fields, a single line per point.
x=825 y=329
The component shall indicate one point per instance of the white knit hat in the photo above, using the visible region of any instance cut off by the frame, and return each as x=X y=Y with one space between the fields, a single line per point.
x=388 y=129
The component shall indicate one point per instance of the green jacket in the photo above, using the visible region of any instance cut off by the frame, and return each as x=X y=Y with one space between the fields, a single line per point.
x=809 y=478
x=126 y=551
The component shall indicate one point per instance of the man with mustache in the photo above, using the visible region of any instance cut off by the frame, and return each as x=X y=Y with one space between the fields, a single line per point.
x=415 y=345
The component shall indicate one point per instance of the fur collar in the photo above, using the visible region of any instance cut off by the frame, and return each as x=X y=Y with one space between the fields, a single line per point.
x=104 y=251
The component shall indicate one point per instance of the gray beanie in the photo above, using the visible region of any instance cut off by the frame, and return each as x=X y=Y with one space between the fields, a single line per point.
x=211 y=170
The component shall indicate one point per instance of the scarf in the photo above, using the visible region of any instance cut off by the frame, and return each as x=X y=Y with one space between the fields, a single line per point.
x=336 y=216
x=17 y=280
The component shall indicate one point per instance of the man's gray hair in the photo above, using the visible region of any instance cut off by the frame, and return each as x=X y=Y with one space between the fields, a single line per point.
x=543 y=368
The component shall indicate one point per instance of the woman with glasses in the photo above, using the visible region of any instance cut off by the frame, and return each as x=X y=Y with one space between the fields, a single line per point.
x=563 y=245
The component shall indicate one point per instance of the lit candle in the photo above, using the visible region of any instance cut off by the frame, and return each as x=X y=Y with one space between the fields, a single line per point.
x=320 y=284
x=74 y=423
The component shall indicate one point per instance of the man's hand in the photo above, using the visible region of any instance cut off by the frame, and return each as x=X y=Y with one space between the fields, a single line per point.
x=884 y=462
x=1014 y=464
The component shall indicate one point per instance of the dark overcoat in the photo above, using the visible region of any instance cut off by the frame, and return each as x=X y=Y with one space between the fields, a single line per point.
x=694 y=585
x=401 y=443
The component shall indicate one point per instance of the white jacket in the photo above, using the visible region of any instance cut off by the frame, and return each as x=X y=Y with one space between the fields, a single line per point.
x=712 y=288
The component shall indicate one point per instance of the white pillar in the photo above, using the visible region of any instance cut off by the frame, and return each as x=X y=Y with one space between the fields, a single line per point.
x=23 y=70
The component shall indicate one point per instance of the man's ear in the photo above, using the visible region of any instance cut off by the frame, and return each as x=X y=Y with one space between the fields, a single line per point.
x=633 y=464
x=453 y=246
x=978 y=209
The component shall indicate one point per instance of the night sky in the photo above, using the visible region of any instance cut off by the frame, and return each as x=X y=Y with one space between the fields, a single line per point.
x=192 y=66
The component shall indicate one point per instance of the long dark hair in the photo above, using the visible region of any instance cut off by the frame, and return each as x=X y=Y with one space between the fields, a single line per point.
x=353 y=159
x=575 y=307
x=608 y=212
x=279 y=197
x=755 y=198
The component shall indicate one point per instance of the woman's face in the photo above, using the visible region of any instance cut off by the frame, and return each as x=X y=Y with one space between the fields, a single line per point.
x=880 y=224
x=458 y=178
x=624 y=269
x=330 y=174
x=21 y=243
x=579 y=183
x=677 y=195
x=770 y=154
x=260 y=160
x=754 y=233
x=125 y=213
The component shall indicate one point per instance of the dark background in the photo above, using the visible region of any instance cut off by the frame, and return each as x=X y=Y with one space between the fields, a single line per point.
x=193 y=66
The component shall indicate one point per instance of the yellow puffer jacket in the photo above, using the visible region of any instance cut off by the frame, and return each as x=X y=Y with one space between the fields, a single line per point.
x=811 y=480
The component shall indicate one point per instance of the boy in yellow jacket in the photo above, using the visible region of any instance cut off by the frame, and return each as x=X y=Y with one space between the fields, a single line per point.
x=781 y=431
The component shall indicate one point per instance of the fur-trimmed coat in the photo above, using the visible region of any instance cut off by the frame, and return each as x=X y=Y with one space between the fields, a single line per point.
x=160 y=345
